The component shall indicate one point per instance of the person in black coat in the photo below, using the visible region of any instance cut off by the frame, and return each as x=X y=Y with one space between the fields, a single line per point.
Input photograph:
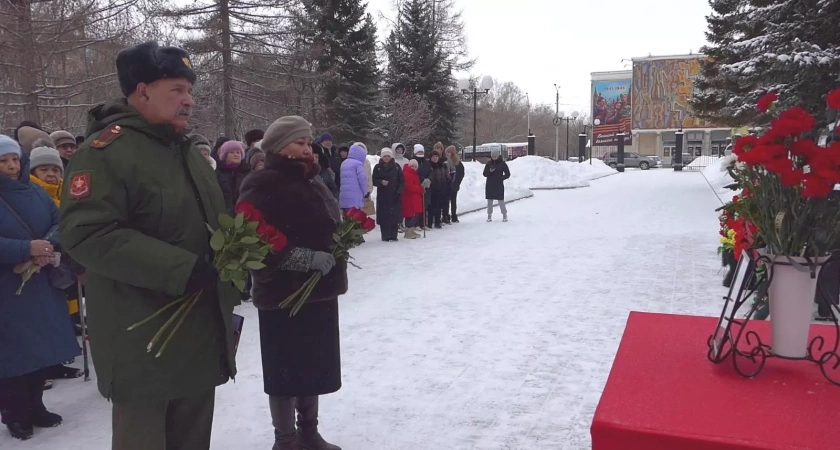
x=231 y=169
x=438 y=189
x=496 y=171
x=389 y=182
x=456 y=173
x=301 y=357
x=327 y=175
x=424 y=170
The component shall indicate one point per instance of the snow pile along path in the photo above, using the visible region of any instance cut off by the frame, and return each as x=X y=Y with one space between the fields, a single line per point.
x=718 y=177
x=701 y=163
x=527 y=172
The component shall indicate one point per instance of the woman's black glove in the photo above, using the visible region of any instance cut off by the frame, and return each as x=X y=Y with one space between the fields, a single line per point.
x=203 y=275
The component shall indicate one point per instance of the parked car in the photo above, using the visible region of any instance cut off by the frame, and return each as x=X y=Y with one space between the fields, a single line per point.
x=633 y=160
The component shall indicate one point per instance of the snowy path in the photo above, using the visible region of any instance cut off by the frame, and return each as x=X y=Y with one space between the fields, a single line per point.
x=484 y=335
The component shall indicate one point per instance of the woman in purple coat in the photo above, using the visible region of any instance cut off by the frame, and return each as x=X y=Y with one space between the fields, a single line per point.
x=353 y=179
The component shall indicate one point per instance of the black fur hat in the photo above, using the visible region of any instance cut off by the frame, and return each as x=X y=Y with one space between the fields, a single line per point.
x=149 y=62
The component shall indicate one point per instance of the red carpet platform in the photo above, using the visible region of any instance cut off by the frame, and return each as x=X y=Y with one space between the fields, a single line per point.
x=663 y=394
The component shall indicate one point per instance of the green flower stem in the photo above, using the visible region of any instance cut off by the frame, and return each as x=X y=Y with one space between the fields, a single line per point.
x=156 y=313
x=191 y=303
x=288 y=301
x=313 y=281
x=169 y=322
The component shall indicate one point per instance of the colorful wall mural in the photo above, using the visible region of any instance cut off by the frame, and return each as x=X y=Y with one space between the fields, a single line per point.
x=661 y=91
x=611 y=106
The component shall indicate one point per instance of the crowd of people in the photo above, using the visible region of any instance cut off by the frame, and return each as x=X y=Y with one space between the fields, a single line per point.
x=119 y=217
x=413 y=193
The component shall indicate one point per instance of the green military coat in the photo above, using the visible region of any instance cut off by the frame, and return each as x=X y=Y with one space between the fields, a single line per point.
x=135 y=202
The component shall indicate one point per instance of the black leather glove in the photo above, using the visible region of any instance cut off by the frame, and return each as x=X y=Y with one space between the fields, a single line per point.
x=203 y=275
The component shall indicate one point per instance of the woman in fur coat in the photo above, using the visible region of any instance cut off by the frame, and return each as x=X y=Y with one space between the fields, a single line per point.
x=300 y=355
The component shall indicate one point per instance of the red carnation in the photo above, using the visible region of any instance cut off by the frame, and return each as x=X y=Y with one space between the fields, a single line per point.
x=792 y=122
x=767 y=100
x=779 y=165
x=816 y=187
x=756 y=156
x=833 y=99
x=804 y=147
x=368 y=224
x=792 y=178
x=744 y=144
x=278 y=241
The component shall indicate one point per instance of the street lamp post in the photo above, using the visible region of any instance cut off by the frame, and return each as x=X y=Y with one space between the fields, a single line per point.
x=464 y=86
x=582 y=144
x=528 y=99
x=562 y=117
x=557 y=125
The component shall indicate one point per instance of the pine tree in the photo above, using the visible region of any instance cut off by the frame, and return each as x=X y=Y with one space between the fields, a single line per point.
x=416 y=65
x=789 y=47
x=345 y=37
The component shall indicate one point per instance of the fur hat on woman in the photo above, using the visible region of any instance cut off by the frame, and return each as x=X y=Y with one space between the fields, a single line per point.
x=231 y=146
x=386 y=152
x=62 y=137
x=28 y=134
x=256 y=159
x=284 y=131
x=419 y=150
x=413 y=163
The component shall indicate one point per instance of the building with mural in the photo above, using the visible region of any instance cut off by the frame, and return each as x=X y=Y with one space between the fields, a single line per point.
x=661 y=89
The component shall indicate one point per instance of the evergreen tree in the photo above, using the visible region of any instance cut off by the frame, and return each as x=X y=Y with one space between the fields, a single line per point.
x=416 y=65
x=345 y=38
x=757 y=46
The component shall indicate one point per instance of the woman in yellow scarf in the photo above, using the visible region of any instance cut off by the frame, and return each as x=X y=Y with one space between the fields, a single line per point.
x=46 y=170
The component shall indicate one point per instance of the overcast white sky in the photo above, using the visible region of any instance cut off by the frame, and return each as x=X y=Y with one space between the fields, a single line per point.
x=537 y=43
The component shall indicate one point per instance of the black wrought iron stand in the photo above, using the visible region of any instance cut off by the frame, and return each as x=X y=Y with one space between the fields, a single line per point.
x=749 y=353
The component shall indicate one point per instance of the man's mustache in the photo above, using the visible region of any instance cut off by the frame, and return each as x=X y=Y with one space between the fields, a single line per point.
x=185 y=112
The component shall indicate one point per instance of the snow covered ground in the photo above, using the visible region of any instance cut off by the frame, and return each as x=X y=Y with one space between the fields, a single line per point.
x=483 y=336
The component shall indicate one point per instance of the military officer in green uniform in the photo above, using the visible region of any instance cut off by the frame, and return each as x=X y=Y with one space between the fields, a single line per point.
x=133 y=213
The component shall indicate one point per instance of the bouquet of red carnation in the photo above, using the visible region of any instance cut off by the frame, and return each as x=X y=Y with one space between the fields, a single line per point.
x=787 y=178
x=349 y=233
x=240 y=244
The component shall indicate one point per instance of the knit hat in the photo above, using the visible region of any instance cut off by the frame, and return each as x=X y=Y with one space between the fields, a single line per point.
x=438 y=146
x=28 y=135
x=419 y=150
x=197 y=140
x=496 y=152
x=414 y=164
x=230 y=146
x=284 y=131
x=8 y=145
x=386 y=152
x=45 y=156
x=62 y=137
x=256 y=159
x=325 y=137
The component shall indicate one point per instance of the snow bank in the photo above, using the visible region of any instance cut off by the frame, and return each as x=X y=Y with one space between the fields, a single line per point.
x=527 y=172
x=700 y=163
x=717 y=176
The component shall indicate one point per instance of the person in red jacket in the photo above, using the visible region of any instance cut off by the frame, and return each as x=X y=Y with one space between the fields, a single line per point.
x=412 y=200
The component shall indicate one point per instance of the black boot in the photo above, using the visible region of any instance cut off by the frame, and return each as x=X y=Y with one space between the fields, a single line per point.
x=283 y=419
x=455 y=218
x=40 y=417
x=16 y=414
x=307 y=422
x=447 y=220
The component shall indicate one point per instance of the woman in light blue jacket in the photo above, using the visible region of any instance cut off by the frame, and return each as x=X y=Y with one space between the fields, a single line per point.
x=354 y=180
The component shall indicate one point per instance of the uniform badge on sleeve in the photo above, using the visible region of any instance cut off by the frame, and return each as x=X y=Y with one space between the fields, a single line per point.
x=80 y=186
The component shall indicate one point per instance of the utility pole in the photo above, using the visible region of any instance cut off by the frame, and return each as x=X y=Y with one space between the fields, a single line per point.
x=556 y=128
x=528 y=99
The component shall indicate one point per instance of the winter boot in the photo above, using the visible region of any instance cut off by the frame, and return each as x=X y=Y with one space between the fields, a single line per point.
x=455 y=218
x=411 y=234
x=17 y=414
x=283 y=419
x=307 y=421
x=504 y=218
x=489 y=217
x=447 y=220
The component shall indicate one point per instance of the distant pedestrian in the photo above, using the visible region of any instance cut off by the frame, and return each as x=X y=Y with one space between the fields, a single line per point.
x=412 y=200
x=496 y=171
x=354 y=180
x=456 y=174
x=389 y=182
